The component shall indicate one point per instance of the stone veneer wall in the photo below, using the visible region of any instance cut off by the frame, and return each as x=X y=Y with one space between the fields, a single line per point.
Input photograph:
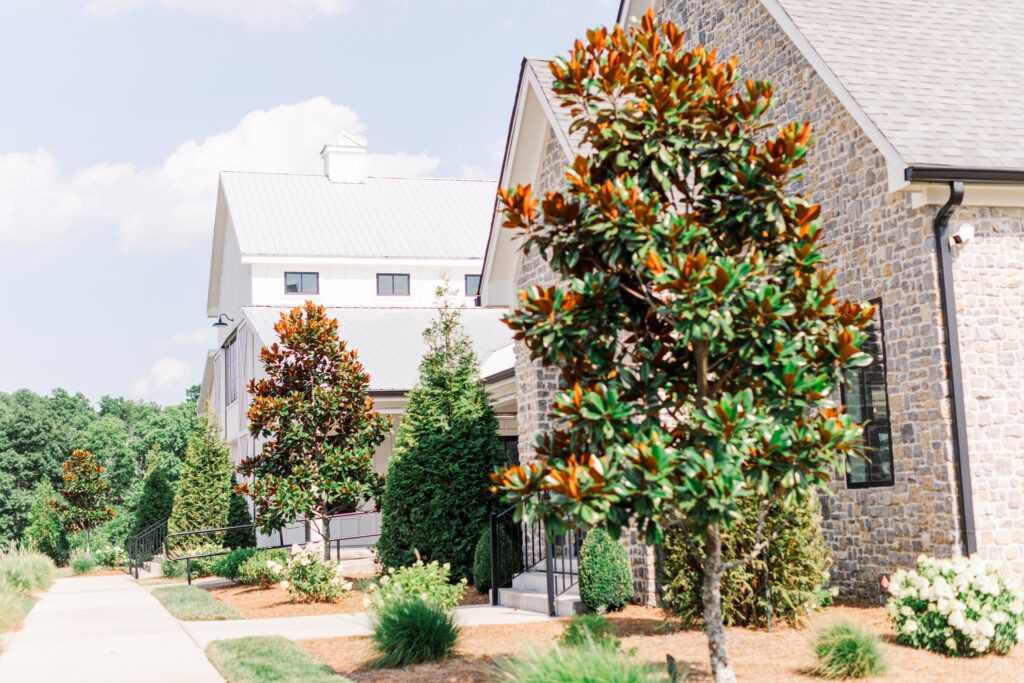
x=881 y=247
x=536 y=384
x=989 y=283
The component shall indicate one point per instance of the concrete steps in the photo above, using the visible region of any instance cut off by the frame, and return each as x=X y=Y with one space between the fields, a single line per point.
x=529 y=592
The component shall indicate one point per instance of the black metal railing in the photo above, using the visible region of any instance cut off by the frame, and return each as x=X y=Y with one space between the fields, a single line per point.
x=143 y=546
x=333 y=543
x=518 y=547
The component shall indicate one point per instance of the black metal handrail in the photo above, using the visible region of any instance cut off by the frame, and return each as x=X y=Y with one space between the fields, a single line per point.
x=144 y=545
x=335 y=542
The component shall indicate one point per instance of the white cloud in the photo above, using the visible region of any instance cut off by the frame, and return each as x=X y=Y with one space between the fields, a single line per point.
x=477 y=172
x=171 y=205
x=259 y=14
x=204 y=337
x=166 y=379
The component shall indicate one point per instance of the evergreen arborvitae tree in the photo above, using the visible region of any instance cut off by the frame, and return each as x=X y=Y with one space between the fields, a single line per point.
x=436 y=497
x=45 y=532
x=204 y=489
x=156 y=502
x=238 y=515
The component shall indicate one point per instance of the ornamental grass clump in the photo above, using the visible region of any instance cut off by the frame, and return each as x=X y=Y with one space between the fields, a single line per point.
x=960 y=607
x=584 y=629
x=308 y=577
x=25 y=571
x=427 y=582
x=844 y=650
x=408 y=630
x=83 y=563
x=589 y=662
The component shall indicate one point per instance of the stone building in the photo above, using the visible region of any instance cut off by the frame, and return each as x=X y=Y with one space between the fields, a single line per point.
x=918 y=163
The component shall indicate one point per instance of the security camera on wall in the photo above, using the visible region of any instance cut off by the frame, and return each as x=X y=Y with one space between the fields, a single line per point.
x=962 y=235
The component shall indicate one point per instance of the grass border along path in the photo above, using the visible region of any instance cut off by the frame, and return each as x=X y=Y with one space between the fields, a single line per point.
x=189 y=603
x=261 y=659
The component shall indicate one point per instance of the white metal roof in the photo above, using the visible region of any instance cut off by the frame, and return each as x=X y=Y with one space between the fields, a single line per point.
x=943 y=80
x=279 y=214
x=390 y=340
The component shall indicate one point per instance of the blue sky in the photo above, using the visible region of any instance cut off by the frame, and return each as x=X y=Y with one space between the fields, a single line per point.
x=118 y=113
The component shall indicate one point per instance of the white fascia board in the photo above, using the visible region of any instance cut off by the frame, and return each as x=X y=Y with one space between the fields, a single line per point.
x=894 y=160
x=356 y=261
x=534 y=83
x=217 y=253
x=936 y=194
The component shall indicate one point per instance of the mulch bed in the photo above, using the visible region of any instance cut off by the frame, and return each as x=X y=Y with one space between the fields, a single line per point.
x=780 y=656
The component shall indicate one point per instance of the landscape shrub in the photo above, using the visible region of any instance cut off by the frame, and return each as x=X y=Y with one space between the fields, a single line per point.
x=238 y=515
x=796 y=563
x=583 y=629
x=83 y=563
x=308 y=577
x=606 y=582
x=45 y=532
x=204 y=489
x=960 y=607
x=590 y=662
x=428 y=582
x=201 y=566
x=409 y=631
x=507 y=556
x=110 y=556
x=24 y=570
x=226 y=566
x=155 y=500
x=844 y=650
x=255 y=572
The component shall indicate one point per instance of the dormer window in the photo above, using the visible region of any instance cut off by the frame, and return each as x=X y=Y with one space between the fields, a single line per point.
x=302 y=283
x=392 y=284
x=472 y=285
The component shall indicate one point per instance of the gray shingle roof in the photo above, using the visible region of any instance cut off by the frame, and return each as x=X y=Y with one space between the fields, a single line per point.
x=278 y=214
x=542 y=72
x=390 y=340
x=943 y=80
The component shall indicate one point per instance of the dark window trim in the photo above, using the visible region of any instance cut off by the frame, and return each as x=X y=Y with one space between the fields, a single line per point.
x=880 y=326
x=479 y=283
x=231 y=341
x=301 y=272
x=405 y=275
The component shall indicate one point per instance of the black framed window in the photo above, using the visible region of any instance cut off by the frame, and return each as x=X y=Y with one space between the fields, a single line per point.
x=231 y=371
x=392 y=284
x=472 y=285
x=302 y=283
x=866 y=398
x=511 y=446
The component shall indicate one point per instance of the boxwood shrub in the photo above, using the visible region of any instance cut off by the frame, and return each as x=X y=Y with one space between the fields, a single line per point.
x=606 y=583
x=507 y=556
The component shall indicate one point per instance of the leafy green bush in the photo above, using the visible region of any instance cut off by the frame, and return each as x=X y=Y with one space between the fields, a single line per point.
x=606 y=582
x=226 y=566
x=960 y=608
x=589 y=662
x=590 y=628
x=409 y=631
x=796 y=563
x=427 y=582
x=482 y=559
x=255 y=572
x=45 y=532
x=110 y=556
x=201 y=566
x=83 y=563
x=844 y=650
x=308 y=577
x=25 y=570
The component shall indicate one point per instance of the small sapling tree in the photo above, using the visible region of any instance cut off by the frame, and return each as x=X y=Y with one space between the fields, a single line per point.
x=315 y=412
x=84 y=498
x=696 y=328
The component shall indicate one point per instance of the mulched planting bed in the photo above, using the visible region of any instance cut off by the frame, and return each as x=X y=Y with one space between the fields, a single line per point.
x=780 y=656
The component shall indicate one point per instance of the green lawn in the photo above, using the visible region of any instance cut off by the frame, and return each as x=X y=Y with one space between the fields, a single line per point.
x=266 y=659
x=194 y=604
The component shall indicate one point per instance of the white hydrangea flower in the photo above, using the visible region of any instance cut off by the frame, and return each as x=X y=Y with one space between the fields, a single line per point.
x=950 y=644
x=909 y=626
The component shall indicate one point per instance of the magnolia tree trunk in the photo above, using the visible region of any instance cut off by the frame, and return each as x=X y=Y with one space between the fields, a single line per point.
x=714 y=624
x=325 y=531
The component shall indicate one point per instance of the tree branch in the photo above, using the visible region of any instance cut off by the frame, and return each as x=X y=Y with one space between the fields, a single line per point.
x=760 y=542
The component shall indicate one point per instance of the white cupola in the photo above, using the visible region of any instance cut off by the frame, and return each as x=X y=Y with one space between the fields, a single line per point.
x=344 y=159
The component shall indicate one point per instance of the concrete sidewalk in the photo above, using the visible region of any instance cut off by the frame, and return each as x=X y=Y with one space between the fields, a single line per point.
x=102 y=629
x=339 y=625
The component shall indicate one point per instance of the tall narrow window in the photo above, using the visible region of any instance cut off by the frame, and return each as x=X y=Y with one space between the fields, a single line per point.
x=472 y=285
x=302 y=283
x=231 y=371
x=866 y=399
x=392 y=284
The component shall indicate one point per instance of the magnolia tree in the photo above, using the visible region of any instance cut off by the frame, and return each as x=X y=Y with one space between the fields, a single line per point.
x=85 y=494
x=696 y=329
x=314 y=409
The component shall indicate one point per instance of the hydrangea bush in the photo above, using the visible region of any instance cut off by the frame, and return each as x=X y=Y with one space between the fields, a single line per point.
x=428 y=582
x=960 y=607
x=308 y=577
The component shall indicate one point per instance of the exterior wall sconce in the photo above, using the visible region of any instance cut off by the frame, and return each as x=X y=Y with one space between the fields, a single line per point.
x=220 y=320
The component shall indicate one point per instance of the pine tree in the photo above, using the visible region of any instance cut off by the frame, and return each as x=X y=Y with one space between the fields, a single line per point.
x=204 y=488
x=238 y=515
x=156 y=502
x=85 y=495
x=45 y=532
x=437 y=497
